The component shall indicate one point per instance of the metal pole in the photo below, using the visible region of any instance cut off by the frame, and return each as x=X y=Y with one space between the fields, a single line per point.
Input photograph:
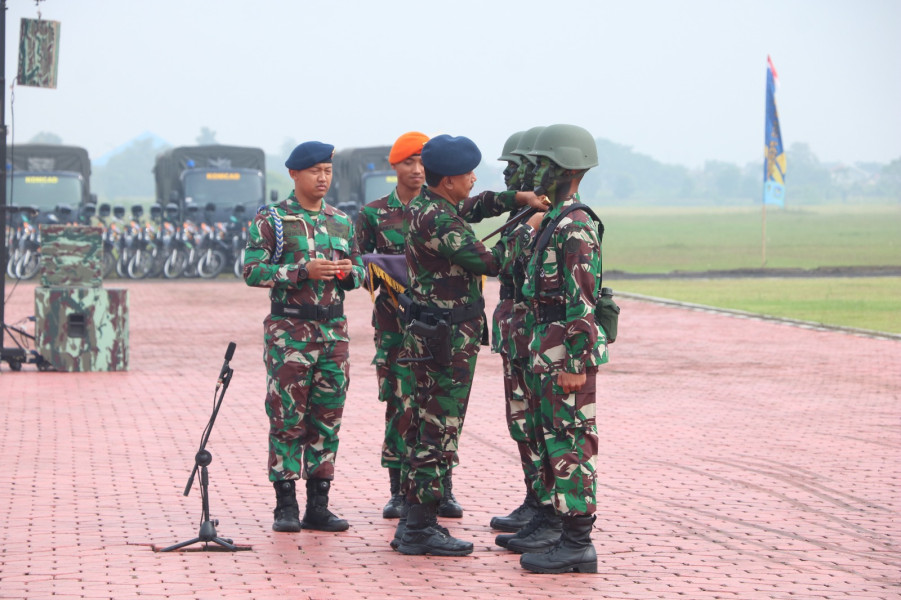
x=3 y=251
x=763 y=236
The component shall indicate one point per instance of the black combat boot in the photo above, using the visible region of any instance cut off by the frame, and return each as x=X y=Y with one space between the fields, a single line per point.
x=521 y=515
x=401 y=524
x=542 y=538
x=286 y=510
x=393 y=508
x=448 y=506
x=317 y=515
x=574 y=551
x=423 y=536
x=534 y=523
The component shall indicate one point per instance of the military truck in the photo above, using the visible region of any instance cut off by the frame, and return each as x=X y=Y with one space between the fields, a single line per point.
x=53 y=178
x=360 y=175
x=214 y=178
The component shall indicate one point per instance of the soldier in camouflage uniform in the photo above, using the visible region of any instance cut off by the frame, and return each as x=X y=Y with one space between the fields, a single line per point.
x=380 y=230
x=510 y=338
x=445 y=324
x=563 y=284
x=302 y=250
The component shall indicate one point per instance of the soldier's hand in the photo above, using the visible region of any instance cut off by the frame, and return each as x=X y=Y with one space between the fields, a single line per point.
x=541 y=203
x=535 y=220
x=326 y=270
x=344 y=267
x=571 y=382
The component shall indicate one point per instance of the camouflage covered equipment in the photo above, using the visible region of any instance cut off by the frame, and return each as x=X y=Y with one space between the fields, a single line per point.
x=82 y=328
x=71 y=255
x=79 y=326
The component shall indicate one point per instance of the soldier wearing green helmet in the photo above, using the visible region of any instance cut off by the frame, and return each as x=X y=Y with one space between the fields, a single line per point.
x=510 y=339
x=563 y=279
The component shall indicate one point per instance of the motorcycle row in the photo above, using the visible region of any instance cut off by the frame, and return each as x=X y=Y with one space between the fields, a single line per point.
x=168 y=244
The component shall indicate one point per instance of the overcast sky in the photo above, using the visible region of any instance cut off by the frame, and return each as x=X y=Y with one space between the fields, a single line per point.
x=682 y=81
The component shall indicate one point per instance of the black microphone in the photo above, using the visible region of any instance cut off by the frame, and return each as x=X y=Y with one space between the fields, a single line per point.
x=229 y=353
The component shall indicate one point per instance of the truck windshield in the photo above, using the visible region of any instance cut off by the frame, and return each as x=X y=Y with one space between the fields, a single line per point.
x=44 y=191
x=376 y=185
x=224 y=190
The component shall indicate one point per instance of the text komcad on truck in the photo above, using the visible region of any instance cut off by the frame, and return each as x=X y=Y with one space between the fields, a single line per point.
x=50 y=177
x=214 y=178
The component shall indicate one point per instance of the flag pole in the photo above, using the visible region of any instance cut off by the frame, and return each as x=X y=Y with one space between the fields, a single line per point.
x=763 y=237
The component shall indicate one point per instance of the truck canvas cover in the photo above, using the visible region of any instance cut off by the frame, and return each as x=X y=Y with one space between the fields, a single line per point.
x=349 y=166
x=171 y=163
x=34 y=158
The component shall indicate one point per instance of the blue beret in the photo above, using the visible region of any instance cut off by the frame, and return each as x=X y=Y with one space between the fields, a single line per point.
x=449 y=156
x=308 y=154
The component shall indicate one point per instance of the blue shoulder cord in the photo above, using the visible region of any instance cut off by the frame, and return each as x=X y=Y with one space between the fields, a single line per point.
x=279 y=235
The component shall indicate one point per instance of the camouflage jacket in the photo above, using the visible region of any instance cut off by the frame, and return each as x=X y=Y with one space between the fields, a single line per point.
x=445 y=259
x=380 y=229
x=324 y=235
x=567 y=273
x=511 y=333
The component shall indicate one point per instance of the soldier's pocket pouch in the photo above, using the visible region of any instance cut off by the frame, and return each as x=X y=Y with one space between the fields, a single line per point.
x=606 y=314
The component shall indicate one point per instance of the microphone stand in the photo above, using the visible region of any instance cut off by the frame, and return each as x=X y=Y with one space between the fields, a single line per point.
x=202 y=460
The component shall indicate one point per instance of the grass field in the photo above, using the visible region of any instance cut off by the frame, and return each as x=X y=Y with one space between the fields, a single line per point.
x=666 y=240
x=860 y=302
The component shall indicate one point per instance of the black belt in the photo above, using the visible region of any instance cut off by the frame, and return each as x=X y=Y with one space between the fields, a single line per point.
x=458 y=314
x=551 y=313
x=308 y=312
x=508 y=292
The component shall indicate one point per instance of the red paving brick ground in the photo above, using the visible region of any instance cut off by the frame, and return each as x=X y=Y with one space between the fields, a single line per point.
x=740 y=459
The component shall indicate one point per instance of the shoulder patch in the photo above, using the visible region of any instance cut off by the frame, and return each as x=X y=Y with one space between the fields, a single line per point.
x=572 y=245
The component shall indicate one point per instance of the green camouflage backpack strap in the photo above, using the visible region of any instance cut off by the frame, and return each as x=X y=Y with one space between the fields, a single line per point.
x=606 y=311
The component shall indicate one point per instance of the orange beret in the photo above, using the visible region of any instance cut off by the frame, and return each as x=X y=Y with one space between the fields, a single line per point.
x=406 y=146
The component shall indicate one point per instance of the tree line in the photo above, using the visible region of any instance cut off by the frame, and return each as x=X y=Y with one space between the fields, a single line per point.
x=623 y=177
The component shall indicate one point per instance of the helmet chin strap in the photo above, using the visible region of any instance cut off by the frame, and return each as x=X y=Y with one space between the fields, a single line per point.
x=555 y=182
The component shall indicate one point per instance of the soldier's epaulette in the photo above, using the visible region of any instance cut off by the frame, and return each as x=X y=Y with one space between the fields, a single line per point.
x=274 y=210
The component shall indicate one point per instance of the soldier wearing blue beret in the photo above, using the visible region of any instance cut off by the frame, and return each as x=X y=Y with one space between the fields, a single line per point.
x=302 y=250
x=309 y=154
x=445 y=321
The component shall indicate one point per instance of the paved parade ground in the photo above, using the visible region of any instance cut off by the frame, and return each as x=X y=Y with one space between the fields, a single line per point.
x=740 y=459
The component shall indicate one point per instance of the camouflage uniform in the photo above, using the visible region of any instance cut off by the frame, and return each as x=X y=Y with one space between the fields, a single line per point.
x=510 y=338
x=445 y=261
x=306 y=359
x=511 y=335
x=380 y=230
x=571 y=341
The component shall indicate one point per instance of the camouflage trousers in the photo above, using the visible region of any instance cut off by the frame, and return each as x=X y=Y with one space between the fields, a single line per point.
x=307 y=386
x=395 y=390
x=567 y=444
x=439 y=407
x=521 y=415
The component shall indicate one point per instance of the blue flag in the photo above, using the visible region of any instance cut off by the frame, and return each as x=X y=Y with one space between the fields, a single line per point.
x=774 y=155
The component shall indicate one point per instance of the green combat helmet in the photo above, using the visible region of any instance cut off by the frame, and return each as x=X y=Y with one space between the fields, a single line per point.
x=569 y=146
x=514 y=161
x=526 y=142
x=523 y=176
x=509 y=146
